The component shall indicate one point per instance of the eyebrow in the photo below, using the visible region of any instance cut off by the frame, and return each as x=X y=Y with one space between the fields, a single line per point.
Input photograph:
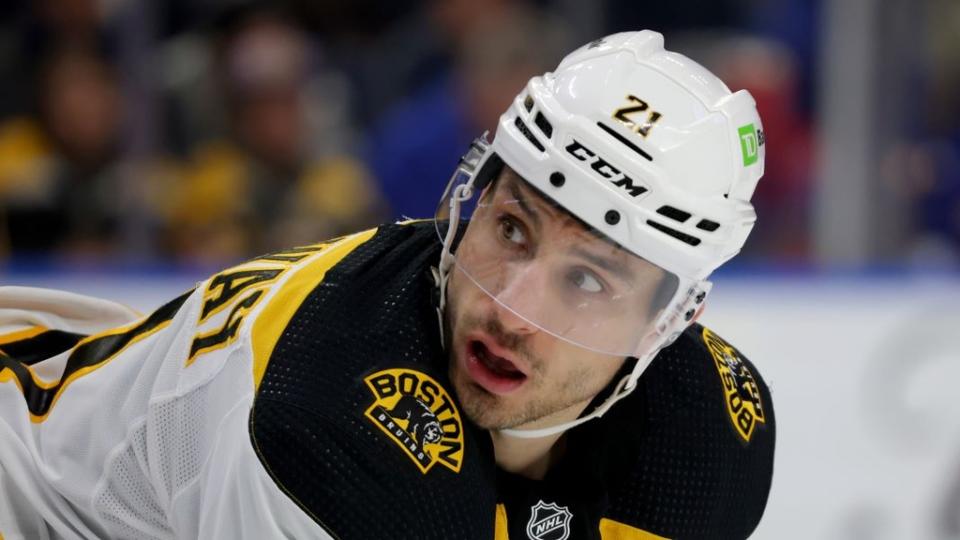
x=615 y=267
x=527 y=209
x=519 y=193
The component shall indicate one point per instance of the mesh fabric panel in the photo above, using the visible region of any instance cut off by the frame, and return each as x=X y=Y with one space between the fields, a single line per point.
x=127 y=503
x=682 y=471
x=372 y=311
x=667 y=459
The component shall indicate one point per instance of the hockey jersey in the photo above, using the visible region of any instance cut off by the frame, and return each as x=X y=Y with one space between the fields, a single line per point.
x=304 y=395
x=689 y=454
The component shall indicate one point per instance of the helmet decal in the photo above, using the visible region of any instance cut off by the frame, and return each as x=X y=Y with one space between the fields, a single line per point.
x=637 y=105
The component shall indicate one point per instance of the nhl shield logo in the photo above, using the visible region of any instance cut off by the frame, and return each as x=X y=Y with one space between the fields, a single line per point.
x=549 y=522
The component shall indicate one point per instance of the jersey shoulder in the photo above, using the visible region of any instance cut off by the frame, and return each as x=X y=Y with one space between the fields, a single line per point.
x=703 y=371
x=354 y=417
x=698 y=436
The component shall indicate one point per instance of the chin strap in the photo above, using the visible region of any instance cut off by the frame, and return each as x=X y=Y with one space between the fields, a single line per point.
x=671 y=325
x=623 y=389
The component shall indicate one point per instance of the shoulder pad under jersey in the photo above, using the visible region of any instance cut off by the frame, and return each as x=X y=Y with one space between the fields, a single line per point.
x=690 y=453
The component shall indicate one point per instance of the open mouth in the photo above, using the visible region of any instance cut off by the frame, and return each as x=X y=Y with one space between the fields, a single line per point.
x=494 y=373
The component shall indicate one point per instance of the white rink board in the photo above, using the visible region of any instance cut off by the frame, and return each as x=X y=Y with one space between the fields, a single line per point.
x=864 y=375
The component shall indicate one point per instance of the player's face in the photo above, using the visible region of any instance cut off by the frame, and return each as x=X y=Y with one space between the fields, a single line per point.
x=507 y=371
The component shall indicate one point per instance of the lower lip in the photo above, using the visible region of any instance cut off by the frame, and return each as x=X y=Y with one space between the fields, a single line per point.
x=487 y=379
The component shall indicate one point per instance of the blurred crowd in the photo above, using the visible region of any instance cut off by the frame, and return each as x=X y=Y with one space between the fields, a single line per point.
x=211 y=131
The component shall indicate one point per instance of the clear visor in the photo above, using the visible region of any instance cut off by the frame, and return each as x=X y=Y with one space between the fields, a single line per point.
x=535 y=259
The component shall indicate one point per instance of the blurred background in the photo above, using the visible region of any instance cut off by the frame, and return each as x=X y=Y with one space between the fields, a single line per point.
x=146 y=144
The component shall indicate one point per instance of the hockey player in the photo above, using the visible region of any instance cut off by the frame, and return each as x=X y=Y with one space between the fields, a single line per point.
x=390 y=385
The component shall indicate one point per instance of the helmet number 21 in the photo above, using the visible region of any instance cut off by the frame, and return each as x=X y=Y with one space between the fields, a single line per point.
x=637 y=105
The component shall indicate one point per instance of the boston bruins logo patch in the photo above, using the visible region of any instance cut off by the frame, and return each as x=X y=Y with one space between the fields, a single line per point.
x=418 y=415
x=740 y=389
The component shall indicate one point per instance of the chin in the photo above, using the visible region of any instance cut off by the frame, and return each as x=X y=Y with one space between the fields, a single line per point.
x=478 y=405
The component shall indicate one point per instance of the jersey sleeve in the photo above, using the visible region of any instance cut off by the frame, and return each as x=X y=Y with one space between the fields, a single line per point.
x=696 y=459
x=293 y=396
x=121 y=425
x=354 y=416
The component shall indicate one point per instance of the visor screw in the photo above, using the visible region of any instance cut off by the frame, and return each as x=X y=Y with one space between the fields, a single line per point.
x=557 y=179
x=612 y=217
x=688 y=315
x=700 y=297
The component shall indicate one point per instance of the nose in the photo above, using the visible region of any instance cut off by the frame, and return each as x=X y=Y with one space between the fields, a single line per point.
x=520 y=298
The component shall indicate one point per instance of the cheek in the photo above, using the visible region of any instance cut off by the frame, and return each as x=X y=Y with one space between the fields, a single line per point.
x=462 y=294
x=454 y=295
x=581 y=369
x=459 y=300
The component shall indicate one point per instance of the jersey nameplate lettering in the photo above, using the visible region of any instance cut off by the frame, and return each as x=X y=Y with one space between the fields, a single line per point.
x=240 y=289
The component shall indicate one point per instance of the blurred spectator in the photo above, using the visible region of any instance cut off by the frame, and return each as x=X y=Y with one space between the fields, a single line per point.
x=264 y=186
x=386 y=47
x=926 y=174
x=60 y=184
x=264 y=128
x=931 y=177
x=413 y=150
x=33 y=30
x=673 y=17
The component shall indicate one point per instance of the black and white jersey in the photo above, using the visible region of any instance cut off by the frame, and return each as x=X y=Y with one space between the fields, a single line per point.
x=304 y=394
x=689 y=454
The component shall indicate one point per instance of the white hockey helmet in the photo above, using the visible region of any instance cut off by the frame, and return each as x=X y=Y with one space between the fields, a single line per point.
x=647 y=149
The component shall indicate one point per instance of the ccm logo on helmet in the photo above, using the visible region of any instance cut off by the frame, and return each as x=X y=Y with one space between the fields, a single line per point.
x=601 y=167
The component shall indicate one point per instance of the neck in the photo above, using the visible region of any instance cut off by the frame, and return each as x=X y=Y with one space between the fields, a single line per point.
x=533 y=458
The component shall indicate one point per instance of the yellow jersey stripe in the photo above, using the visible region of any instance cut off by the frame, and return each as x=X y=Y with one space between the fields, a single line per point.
x=500 y=527
x=275 y=316
x=614 y=530
x=18 y=335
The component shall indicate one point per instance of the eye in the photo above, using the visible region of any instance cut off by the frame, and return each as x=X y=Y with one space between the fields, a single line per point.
x=511 y=231
x=585 y=280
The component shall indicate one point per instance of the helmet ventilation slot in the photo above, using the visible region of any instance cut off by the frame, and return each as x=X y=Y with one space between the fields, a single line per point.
x=707 y=225
x=543 y=124
x=527 y=133
x=528 y=103
x=685 y=238
x=673 y=213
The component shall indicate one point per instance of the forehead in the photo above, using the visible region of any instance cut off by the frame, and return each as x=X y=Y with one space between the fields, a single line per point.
x=510 y=188
x=567 y=233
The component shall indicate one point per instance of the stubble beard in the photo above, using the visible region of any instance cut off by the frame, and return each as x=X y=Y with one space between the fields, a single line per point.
x=533 y=402
x=490 y=411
